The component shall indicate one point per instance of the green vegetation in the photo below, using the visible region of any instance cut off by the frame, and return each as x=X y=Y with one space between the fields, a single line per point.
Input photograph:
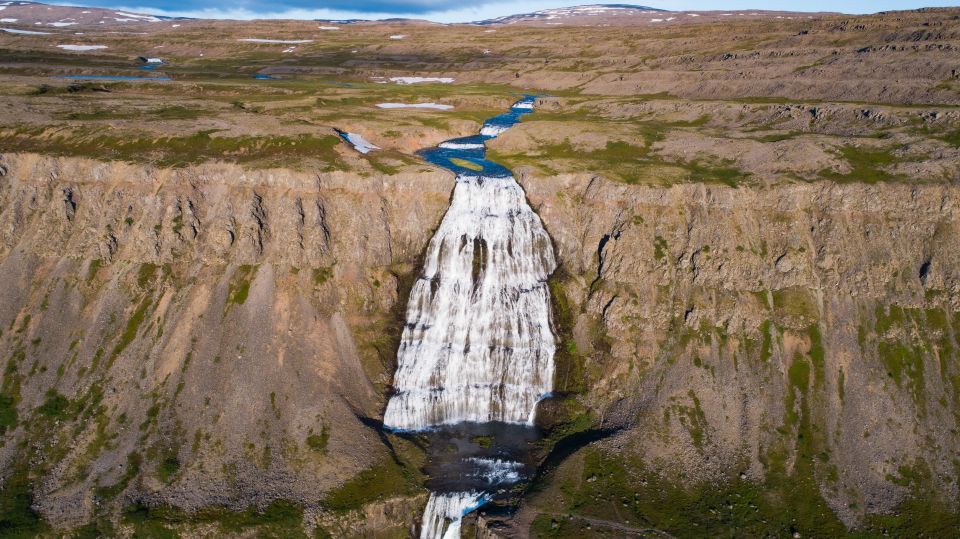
x=168 y=467
x=778 y=137
x=951 y=137
x=134 y=462
x=279 y=519
x=388 y=478
x=240 y=284
x=466 y=164
x=318 y=442
x=617 y=489
x=867 y=165
x=165 y=113
x=625 y=162
x=93 y=268
x=131 y=330
x=56 y=406
x=322 y=275
x=659 y=248
x=148 y=271
x=175 y=151
x=18 y=520
x=570 y=365
x=483 y=441
x=8 y=413
x=692 y=418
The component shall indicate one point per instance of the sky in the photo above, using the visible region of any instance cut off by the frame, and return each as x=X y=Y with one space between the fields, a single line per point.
x=458 y=10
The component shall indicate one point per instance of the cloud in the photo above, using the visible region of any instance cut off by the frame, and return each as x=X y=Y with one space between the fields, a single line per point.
x=434 y=10
x=357 y=8
x=449 y=10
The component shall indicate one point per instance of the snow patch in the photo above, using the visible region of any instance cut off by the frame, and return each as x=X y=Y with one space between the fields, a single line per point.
x=329 y=27
x=282 y=41
x=414 y=80
x=24 y=32
x=436 y=106
x=134 y=16
x=460 y=146
x=398 y=36
x=81 y=47
x=359 y=143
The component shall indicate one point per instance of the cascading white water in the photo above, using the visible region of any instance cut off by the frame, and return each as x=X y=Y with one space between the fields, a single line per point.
x=444 y=513
x=478 y=346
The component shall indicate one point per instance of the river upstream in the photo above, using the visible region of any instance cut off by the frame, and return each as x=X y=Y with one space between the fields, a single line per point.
x=477 y=350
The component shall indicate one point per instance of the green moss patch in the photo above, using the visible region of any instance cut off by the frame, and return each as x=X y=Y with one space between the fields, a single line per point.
x=279 y=519
x=381 y=481
x=240 y=284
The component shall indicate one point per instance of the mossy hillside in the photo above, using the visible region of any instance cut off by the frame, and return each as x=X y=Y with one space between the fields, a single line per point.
x=642 y=147
x=71 y=428
x=278 y=519
x=902 y=349
x=600 y=492
x=397 y=474
x=631 y=161
x=177 y=151
x=867 y=165
x=598 y=486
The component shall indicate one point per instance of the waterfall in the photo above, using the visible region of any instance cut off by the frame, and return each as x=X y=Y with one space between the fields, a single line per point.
x=444 y=513
x=477 y=346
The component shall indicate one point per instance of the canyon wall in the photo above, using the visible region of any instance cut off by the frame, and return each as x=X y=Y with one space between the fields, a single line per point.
x=805 y=333
x=215 y=336
x=200 y=336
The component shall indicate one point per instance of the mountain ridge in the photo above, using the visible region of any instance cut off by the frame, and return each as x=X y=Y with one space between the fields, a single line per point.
x=62 y=16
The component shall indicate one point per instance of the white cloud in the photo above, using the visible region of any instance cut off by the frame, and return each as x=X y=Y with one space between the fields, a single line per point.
x=500 y=8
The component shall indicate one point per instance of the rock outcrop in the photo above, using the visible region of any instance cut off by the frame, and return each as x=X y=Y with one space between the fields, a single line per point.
x=201 y=336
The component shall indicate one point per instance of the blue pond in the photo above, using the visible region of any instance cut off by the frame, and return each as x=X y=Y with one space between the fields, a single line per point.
x=473 y=150
x=110 y=77
x=261 y=76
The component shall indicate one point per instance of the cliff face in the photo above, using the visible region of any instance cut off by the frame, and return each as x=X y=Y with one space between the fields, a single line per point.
x=202 y=336
x=214 y=336
x=804 y=335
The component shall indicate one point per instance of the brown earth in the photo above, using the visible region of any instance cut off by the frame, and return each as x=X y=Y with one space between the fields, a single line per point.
x=757 y=299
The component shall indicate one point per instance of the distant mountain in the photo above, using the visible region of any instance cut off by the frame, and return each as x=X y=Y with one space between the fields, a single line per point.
x=37 y=16
x=31 y=17
x=578 y=14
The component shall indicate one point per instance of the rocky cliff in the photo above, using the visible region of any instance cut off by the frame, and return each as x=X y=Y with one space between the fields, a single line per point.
x=205 y=336
x=197 y=344
x=800 y=337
